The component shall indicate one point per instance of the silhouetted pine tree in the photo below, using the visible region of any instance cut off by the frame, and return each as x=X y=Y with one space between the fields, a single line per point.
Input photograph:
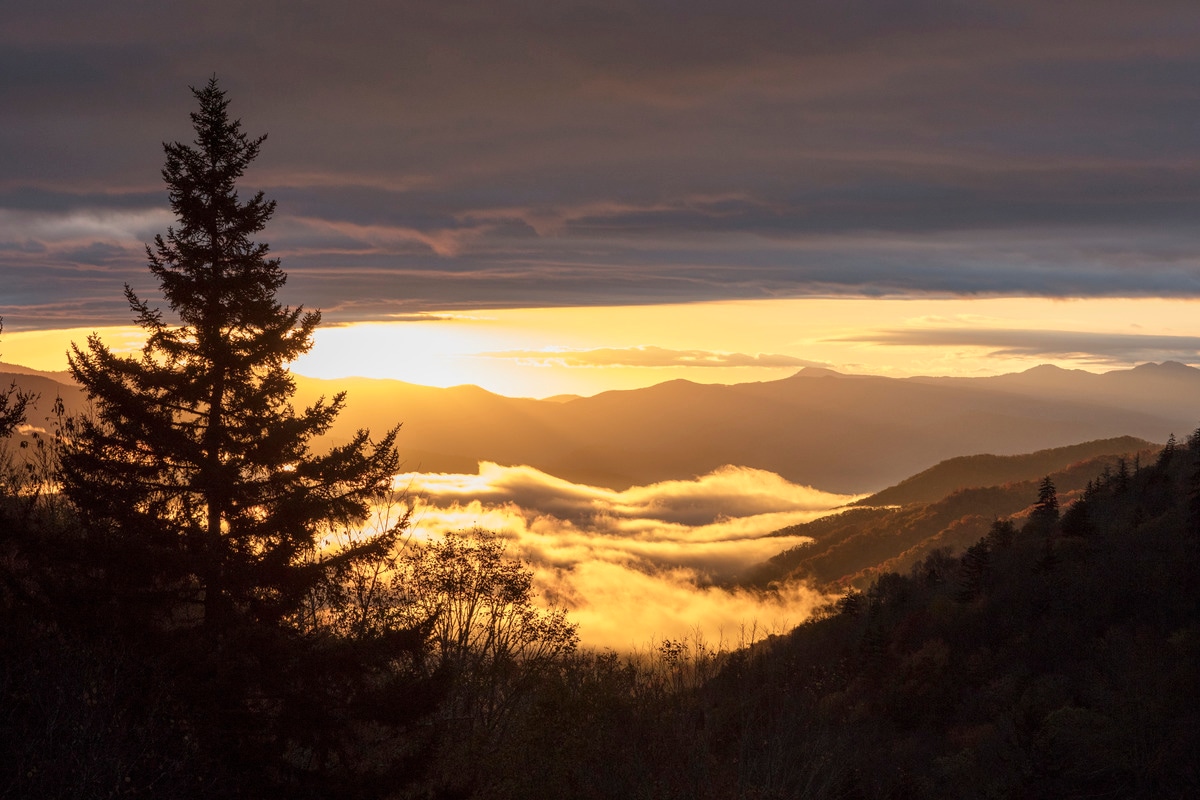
x=1168 y=452
x=194 y=445
x=1001 y=534
x=1122 y=476
x=1193 y=485
x=1045 y=510
x=204 y=507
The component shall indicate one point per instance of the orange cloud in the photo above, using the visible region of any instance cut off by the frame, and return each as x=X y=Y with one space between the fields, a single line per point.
x=637 y=565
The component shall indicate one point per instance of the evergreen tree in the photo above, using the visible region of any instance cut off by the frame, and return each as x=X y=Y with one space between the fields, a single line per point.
x=1076 y=520
x=1045 y=510
x=1168 y=452
x=195 y=449
x=1122 y=476
x=973 y=569
x=206 y=512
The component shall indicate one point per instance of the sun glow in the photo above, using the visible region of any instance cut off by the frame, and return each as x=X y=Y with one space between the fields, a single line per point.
x=47 y=350
x=540 y=352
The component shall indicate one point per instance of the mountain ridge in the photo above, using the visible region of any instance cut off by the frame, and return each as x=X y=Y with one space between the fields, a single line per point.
x=812 y=427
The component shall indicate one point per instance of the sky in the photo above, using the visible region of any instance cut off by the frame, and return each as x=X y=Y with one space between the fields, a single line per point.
x=563 y=197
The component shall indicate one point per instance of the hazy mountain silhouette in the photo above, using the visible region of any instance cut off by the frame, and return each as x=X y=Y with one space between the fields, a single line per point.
x=46 y=386
x=841 y=433
x=17 y=369
x=837 y=432
x=1170 y=388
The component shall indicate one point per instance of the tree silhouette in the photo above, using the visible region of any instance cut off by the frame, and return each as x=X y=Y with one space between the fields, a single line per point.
x=488 y=632
x=195 y=448
x=973 y=568
x=206 y=513
x=13 y=404
x=1045 y=510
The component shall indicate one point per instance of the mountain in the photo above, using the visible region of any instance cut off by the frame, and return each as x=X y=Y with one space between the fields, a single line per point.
x=854 y=547
x=986 y=469
x=841 y=433
x=1051 y=660
x=46 y=388
x=17 y=369
x=1171 y=388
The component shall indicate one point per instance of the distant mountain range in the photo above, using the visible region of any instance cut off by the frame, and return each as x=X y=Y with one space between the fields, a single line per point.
x=837 y=432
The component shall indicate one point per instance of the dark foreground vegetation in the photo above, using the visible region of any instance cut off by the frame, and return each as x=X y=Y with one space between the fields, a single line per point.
x=1056 y=658
x=195 y=605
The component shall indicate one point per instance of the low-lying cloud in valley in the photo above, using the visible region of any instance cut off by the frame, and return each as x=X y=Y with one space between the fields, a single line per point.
x=642 y=564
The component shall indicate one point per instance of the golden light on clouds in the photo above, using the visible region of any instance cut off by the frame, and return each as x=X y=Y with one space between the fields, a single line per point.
x=641 y=564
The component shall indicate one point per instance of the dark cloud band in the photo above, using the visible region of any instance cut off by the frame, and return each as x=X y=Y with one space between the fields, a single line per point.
x=429 y=155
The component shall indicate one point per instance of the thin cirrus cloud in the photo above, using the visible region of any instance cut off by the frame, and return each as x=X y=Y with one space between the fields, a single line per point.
x=429 y=155
x=649 y=356
x=1115 y=348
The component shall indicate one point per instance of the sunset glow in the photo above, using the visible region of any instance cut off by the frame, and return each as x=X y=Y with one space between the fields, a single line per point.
x=541 y=352
x=548 y=351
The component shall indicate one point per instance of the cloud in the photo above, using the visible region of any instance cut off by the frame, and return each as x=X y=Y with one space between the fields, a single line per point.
x=649 y=356
x=1114 y=348
x=503 y=154
x=629 y=610
x=724 y=493
x=639 y=564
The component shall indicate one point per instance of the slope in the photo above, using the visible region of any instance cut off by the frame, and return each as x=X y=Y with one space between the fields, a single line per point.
x=856 y=546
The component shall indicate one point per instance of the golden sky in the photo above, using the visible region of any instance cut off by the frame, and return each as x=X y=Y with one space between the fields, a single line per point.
x=539 y=352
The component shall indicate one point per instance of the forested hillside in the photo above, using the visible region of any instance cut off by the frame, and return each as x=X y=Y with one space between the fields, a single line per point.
x=965 y=472
x=853 y=547
x=1057 y=657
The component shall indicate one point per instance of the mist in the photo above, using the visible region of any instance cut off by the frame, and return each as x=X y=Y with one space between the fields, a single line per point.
x=641 y=565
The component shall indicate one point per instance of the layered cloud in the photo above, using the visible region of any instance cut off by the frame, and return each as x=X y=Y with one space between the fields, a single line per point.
x=1096 y=347
x=644 y=563
x=429 y=155
x=650 y=356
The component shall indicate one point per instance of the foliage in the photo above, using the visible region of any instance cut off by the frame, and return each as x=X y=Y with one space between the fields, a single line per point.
x=13 y=404
x=979 y=674
x=856 y=546
x=1045 y=511
x=490 y=638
